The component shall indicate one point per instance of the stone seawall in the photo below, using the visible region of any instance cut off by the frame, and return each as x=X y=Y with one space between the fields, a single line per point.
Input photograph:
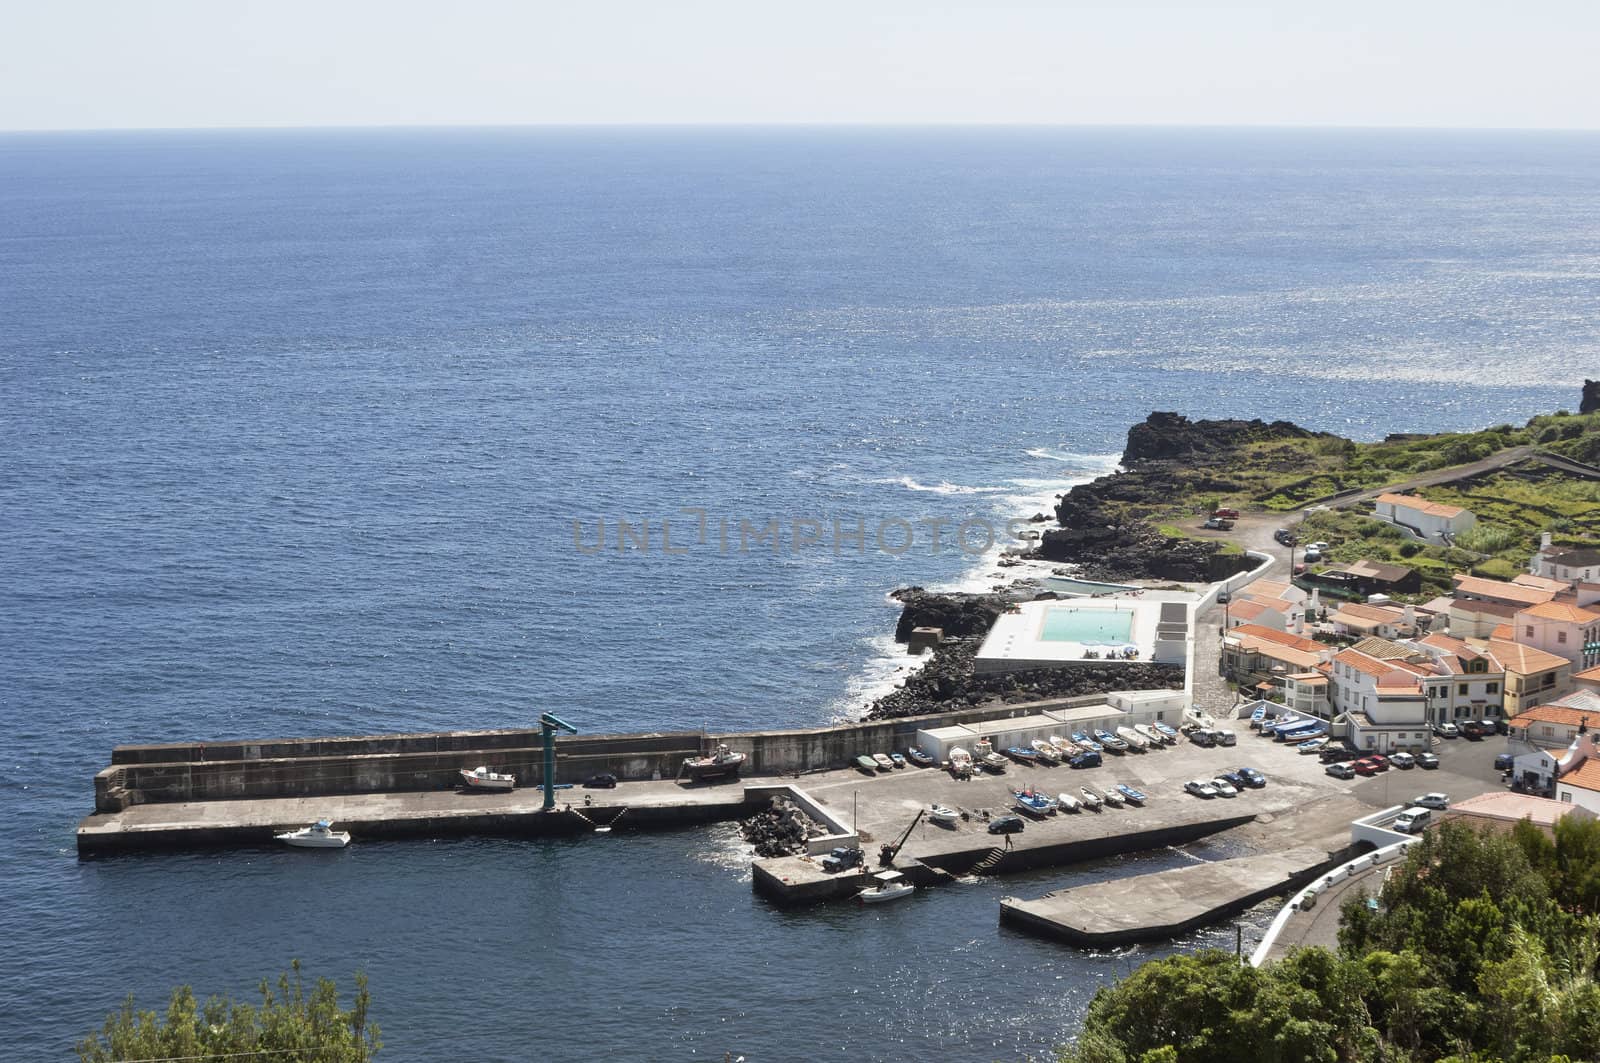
x=306 y=767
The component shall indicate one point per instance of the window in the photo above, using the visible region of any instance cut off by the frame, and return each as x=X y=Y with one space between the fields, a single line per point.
x=1566 y=795
x=1528 y=631
x=1561 y=637
x=1462 y=689
x=1492 y=688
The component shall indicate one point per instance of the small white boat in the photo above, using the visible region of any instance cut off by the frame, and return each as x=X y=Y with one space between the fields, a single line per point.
x=1135 y=740
x=1091 y=799
x=944 y=814
x=320 y=835
x=1067 y=803
x=1153 y=736
x=960 y=762
x=883 y=761
x=890 y=885
x=1064 y=747
x=1110 y=797
x=481 y=778
x=1047 y=752
x=995 y=762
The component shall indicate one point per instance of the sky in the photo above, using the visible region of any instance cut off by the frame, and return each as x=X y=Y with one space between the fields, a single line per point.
x=119 y=64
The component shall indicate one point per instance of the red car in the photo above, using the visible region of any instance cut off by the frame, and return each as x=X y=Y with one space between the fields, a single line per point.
x=1365 y=767
x=1380 y=760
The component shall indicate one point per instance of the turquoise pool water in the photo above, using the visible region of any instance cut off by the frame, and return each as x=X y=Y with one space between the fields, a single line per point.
x=1066 y=624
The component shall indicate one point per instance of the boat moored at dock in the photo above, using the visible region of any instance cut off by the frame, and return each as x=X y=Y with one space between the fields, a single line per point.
x=320 y=835
x=887 y=886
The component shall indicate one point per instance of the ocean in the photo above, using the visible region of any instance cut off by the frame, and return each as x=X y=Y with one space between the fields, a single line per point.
x=331 y=432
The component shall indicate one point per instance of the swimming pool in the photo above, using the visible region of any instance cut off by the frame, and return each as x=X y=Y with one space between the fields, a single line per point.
x=1066 y=624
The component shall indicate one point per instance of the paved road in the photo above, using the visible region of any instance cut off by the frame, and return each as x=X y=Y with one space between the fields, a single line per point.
x=1429 y=479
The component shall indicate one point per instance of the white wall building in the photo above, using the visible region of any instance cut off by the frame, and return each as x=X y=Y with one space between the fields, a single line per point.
x=1566 y=630
x=1431 y=520
x=1570 y=566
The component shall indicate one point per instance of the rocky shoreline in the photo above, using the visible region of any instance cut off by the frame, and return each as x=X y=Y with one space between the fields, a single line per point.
x=1167 y=456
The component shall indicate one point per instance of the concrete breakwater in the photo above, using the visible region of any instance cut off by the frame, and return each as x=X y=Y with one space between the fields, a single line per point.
x=306 y=767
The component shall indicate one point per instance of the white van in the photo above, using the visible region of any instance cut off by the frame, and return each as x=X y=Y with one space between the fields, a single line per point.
x=1412 y=820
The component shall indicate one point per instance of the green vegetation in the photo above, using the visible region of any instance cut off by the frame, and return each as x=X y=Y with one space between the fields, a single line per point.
x=1284 y=474
x=1484 y=947
x=287 y=1027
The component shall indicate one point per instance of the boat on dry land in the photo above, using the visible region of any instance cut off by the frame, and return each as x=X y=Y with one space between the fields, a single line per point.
x=723 y=761
x=481 y=778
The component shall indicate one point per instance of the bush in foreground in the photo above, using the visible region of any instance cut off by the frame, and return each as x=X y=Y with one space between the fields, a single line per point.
x=288 y=1026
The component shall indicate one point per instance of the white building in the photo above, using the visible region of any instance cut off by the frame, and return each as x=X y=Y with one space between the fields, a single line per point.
x=1581 y=788
x=1431 y=520
x=1566 y=630
x=1570 y=566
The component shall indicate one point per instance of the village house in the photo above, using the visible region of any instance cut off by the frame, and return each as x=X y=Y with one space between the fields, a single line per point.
x=1532 y=675
x=1558 y=724
x=1362 y=578
x=1253 y=655
x=1581 y=788
x=1360 y=620
x=1566 y=630
x=1431 y=520
x=1570 y=566
x=1307 y=694
x=1246 y=609
x=1588 y=679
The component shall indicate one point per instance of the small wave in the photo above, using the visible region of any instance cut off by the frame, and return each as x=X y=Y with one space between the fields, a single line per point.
x=943 y=487
x=887 y=666
x=1074 y=457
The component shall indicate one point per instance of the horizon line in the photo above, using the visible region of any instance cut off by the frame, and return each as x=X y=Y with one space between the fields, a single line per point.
x=794 y=124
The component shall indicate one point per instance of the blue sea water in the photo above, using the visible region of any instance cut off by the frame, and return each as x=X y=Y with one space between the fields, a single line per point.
x=313 y=433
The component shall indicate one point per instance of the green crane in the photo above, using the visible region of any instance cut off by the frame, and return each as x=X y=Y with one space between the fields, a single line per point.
x=547 y=729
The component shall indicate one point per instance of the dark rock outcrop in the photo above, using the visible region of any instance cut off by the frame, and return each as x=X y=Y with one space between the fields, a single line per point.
x=959 y=615
x=1173 y=437
x=1591 y=397
x=949 y=682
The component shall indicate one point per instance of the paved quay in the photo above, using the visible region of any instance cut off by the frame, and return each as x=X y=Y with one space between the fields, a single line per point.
x=1162 y=905
x=432 y=813
x=1319 y=924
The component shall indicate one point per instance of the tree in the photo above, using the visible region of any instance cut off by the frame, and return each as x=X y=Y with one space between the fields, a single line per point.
x=287 y=1027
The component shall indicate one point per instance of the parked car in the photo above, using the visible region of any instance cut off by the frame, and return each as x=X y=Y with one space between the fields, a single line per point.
x=1006 y=825
x=1379 y=761
x=1335 y=754
x=1200 y=788
x=1087 y=759
x=1365 y=766
x=1436 y=801
x=1412 y=820
x=1447 y=730
x=1340 y=771
x=1427 y=760
x=1252 y=778
x=1226 y=738
x=1502 y=726
x=604 y=781
x=1471 y=729
x=1233 y=779
x=1504 y=762
x=1403 y=761
x=1223 y=787
x=842 y=858
x=1227 y=514
x=1312 y=556
x=1203 y=738
x=1318 y=545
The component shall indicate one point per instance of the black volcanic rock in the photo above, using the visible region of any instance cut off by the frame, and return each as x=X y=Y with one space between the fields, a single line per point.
x=960 y=615
x=1173 y=437
x=949 y=682
x=1591 y=397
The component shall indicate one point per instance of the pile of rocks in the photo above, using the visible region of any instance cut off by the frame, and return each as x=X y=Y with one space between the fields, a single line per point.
x=781 y=830
x=949 y=682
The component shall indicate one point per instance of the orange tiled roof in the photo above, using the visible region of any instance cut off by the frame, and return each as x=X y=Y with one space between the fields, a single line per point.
x=1433 y=509
x=1571 y=614
x=1384 y=614
x=1586 y=777
x=1587 y=673
x=1364 y=664
x=1282 y=638
x=1499 y=590
x=1516 y=657
x=1545 y=583
x=1562 y=715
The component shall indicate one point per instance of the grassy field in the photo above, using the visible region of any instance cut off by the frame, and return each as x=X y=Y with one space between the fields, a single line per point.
x=1513 y=506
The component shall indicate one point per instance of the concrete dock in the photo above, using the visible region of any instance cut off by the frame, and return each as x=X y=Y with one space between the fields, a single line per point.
x=431 y=814
x=1162 y=905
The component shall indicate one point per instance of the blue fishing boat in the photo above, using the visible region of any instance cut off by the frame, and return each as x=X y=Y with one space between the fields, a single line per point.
x=1022 y=756
x=1134 y=797
x=1034 y=803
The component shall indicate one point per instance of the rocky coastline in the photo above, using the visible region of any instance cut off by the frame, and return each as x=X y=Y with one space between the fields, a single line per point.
x=1167 y=456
